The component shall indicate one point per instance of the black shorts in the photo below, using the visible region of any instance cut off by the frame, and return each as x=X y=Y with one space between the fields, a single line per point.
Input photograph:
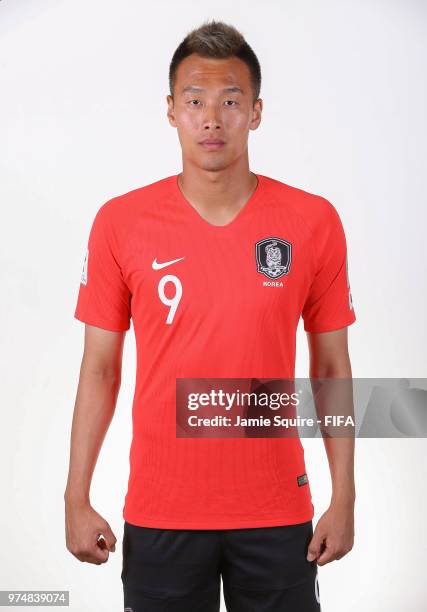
x=263 y=569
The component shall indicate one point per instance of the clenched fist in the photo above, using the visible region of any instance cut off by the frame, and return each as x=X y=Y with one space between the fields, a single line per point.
x=88 y=536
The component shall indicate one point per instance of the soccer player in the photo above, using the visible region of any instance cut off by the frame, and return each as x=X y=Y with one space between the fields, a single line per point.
x=215 y=266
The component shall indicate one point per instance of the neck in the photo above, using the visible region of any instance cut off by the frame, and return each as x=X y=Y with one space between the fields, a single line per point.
x=222 y=191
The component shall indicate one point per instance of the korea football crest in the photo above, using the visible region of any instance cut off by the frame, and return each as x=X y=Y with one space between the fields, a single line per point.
x=273 y=257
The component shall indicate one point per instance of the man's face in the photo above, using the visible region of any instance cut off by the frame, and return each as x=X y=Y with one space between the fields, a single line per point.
x=213 y=101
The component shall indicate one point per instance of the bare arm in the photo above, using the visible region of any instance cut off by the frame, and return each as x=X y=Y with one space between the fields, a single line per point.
x=334 y=534
x=98 y=388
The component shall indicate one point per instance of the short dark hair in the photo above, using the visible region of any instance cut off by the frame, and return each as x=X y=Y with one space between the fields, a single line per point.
x=218 y=40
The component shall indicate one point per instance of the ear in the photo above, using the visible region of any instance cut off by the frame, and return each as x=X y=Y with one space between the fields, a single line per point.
x=170 y=111
x=256 y=114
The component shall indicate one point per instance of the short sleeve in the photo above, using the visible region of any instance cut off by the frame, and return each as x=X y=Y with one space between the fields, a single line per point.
x=103 y=297
x=329 y=304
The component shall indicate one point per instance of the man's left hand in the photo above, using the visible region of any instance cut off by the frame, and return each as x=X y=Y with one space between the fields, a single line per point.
x=333 y=536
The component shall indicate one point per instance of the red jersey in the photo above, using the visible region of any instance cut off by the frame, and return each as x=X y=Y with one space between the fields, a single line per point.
x=215 y=302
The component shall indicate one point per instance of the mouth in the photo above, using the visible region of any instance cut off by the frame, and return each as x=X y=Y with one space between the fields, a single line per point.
x=212 y=144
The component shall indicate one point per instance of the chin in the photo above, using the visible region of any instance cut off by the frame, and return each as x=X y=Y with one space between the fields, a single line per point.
x=213 y=164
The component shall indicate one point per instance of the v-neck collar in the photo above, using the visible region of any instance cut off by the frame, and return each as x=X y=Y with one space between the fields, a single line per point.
x=197 y=217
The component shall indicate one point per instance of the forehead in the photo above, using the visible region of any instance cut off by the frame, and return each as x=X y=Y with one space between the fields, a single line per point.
x=211 y=73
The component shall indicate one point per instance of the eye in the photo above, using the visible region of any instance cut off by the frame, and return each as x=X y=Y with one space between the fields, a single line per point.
x=233 y=102
x=190 y=102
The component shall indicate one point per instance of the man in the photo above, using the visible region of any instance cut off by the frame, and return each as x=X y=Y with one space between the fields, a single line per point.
x=215 y=266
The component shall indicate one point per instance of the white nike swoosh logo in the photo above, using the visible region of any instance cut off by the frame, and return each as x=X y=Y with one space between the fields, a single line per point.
x=159 y=266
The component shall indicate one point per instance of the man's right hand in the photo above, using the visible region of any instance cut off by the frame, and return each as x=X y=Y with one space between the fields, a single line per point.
x=83 y=527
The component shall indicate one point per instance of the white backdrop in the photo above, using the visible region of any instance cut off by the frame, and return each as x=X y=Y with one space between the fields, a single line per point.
x=83 y=118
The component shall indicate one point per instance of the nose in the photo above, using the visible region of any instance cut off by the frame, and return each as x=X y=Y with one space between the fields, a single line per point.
x=211 y=120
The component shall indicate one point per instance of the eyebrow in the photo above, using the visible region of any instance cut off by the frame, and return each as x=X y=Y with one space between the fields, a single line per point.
x=231 y=89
